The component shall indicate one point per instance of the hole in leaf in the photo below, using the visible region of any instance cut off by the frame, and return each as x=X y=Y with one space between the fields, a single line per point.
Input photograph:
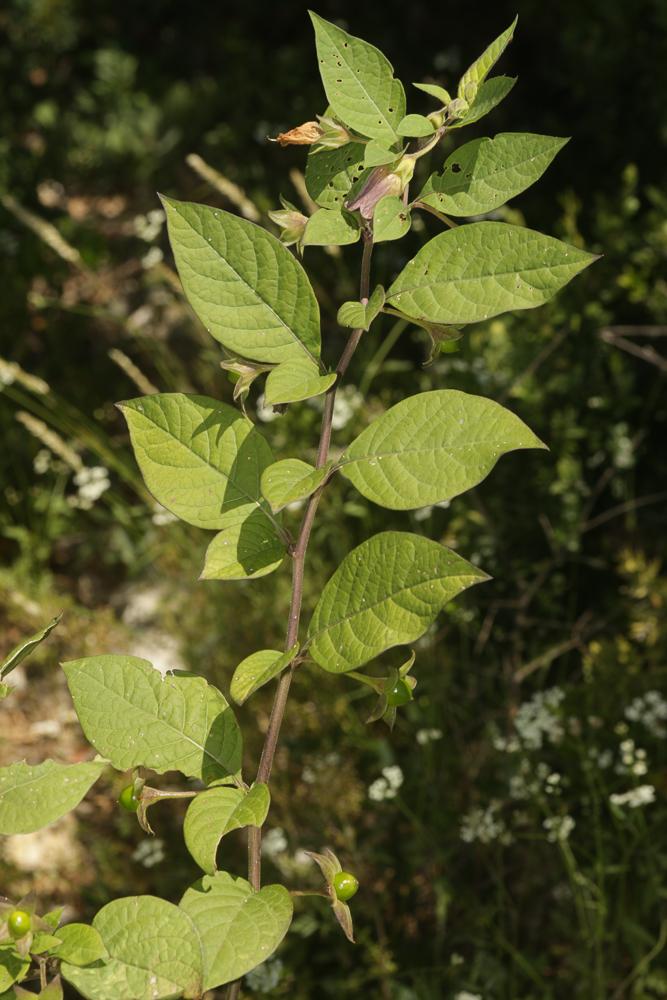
x=456 y=168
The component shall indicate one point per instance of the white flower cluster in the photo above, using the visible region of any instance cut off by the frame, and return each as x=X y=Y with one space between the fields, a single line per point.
x=91 y=483
x=425 y=736
x=348 y=401
x=642 y=795
x=388 y=785
x=162 y=516
x=633 y=759
x=42 y=461
x=558 y=827
x=274 y=842
x=530 y=781
x=485 y=825
x=148 y=227
x=537 y=721
x=650 y=710
x=149 y=852
x=464 y=995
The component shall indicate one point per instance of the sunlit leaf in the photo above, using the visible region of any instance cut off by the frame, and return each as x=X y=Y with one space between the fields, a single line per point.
x=34 y=795
x=216 y=812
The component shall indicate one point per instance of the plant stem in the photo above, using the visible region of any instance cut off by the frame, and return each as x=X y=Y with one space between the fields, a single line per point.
x=298 y=568
x=299 y=556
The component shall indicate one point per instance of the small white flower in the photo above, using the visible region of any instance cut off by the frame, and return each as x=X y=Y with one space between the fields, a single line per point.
x=464 y=995
x=425 y=736
x=162 y=516
x=265 y=413
x=558 y=827
x=274 y=843
x=393 y=776
x=642 y=795
x=42 y=461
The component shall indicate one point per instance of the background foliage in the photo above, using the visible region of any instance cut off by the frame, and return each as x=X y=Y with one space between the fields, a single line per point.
x=508 y=835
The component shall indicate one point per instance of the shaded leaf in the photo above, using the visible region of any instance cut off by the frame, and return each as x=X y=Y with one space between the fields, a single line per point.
x=247 y=547
x=26 y=647
x=377 y=154
x=215 y=813
x=199 y=458
x=295 y=380
x=415 y=126
x=489 y=95
x=258 y=669
x=359 y=316
x=330 y=227
x=330 y=173
x=391 y=219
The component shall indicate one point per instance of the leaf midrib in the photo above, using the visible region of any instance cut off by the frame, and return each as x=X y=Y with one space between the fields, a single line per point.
x=356 y=80
x=254 y=291
x=392 y=597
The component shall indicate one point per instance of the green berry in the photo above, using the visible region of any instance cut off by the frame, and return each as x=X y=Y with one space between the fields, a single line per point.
x=128 y=800
x=19 y=923
x=345 y=886
x=400 y=694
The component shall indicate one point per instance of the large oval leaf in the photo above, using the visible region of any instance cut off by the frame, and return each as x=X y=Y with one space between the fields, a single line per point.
x=32 y=796
x=476 y=271
x=154 y=953
x=431 y=447
x=385 y=593
x=486 y=173
x=248 y=290
x=199 y=458
x=359 y=82
x=215 y=813
x=239 y=928
x=139 y=718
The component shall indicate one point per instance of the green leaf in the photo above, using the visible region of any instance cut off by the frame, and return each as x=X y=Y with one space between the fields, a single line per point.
x=154 y=953
x=248 y=290
x=415 y=126
x=359 y=82
x=13 y=968
x=295 y=380
x=80 y=944
x=290 y=480
x=480 y=270
x=239 y=928
x=385 y=593
x=330 y=173
x=199 y=458
x=34 y=795
x=330 y=227
x=486 y=173
x=53 y=917
x=490 y=94
x=433 y=90
x=357 y=315
x=139 y=718
x=477 y=73
x=215 y=813
x=391 y=219
x=247 y=547
x=26 y=647
x=377 y=154
x=43 y=942
x=258 y=669
x=432 y=447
